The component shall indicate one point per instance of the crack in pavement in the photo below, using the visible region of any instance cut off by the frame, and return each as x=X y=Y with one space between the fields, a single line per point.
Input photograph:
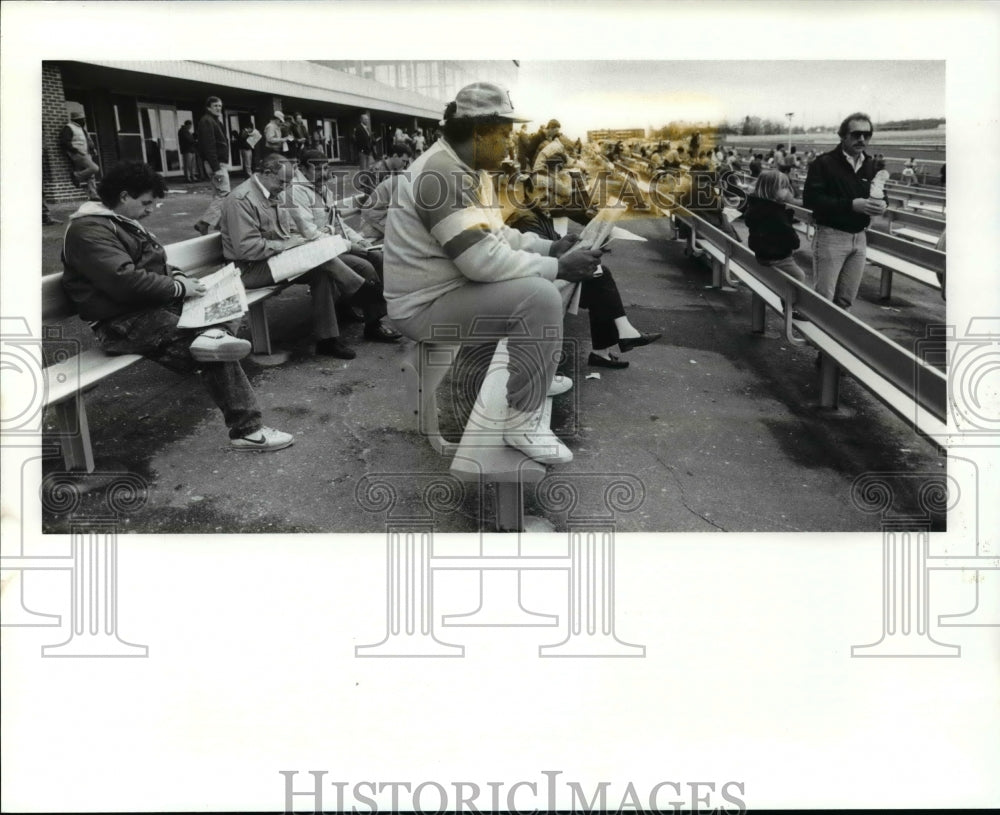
x=680 y=487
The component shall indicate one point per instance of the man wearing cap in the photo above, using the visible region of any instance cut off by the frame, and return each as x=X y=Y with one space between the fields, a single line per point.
x=80 y=149
x=274 y=139
x=213 y=146
x=451 y=261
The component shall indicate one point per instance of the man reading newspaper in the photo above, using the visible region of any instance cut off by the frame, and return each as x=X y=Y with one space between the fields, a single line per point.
x=265 y=252
x=117 y=275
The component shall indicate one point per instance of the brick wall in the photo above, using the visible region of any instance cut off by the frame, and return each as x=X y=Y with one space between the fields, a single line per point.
x=57 y=183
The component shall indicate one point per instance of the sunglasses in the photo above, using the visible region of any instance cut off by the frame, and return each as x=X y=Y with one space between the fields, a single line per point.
x=861 y=134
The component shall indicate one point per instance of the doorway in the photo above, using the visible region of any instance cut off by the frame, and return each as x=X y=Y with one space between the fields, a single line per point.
x=236 y=122
x=158 y=125
x=331 y=138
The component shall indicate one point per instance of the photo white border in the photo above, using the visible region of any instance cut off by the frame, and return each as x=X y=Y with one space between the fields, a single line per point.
x=963 y=33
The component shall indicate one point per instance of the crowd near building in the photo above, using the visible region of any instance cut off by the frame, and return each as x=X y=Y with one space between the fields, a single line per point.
x=137 y=110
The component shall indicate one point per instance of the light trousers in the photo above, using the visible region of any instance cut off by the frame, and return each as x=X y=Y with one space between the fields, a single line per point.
x=838 y=264
x=528 y=311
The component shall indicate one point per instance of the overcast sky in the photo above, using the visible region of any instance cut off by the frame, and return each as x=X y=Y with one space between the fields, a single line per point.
x=595 y=94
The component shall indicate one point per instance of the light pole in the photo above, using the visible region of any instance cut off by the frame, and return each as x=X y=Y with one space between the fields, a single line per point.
x=789 y=117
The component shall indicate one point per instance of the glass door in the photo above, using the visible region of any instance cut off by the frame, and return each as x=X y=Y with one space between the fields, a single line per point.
x=331 y=138
x=158 y=126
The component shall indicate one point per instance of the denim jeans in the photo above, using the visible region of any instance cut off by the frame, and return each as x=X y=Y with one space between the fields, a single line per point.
x=838 y=264
x=154 y=334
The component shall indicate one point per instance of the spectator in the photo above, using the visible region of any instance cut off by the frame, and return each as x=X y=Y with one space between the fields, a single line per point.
x=561 y=190
x=116 y=272
x=299 y=132
x=375 y=209
x=316 y=212
x=909 y=173
x=780 y=162
x=47 y=219
x=275 y=140
x=449 y=260
x=248 y=139
x=214 y=148
x=253 y=231
x=79 y=148
x=363 y=142
x=772 y=237
x=527 y=146
x=419 y=142
x=942 y=176
x=837 y=191
x=188 y=147
x=397 y=161
x=609 y=325
x=400 y=136
x=756 y=164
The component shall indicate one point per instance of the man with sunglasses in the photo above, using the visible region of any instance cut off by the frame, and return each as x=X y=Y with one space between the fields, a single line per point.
x=837 y=190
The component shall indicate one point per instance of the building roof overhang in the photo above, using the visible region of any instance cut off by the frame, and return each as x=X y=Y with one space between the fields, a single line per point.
x=304 y=80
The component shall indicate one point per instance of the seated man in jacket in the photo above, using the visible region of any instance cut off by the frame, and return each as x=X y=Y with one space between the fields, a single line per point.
x=116 y=273
x=359 y=270
x=254 y=230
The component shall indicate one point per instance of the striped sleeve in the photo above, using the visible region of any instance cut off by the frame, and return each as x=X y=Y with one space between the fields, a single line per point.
x=449 y=211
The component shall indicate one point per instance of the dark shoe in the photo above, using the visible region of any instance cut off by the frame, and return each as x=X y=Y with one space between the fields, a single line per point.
x=334 y=347
x=634 y=342
x=600 y=362
x=349 y=314
x=376 y=332
x=201 y=227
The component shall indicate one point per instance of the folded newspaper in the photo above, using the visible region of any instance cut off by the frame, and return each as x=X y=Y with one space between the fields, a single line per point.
x=224 y=299
x=597 y=233
x=300 y=259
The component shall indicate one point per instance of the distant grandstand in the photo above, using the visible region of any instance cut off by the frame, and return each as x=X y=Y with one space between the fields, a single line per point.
x=615 y=135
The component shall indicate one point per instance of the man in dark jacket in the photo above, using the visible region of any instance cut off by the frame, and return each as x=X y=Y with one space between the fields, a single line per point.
x=188 y=144
x=364 y=142
x=213 y=145
x=837 y=192
x=117 y=275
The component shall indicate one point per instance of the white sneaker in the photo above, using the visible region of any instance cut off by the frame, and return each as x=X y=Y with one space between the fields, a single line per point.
x=216 y=345
x=263 y=441
x=560 y=384
x=525 y=433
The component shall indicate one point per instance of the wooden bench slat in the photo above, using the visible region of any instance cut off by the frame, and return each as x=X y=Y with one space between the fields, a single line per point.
x=65 y=379
x=904 y=267
x=196 y=252
x=917 y=235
